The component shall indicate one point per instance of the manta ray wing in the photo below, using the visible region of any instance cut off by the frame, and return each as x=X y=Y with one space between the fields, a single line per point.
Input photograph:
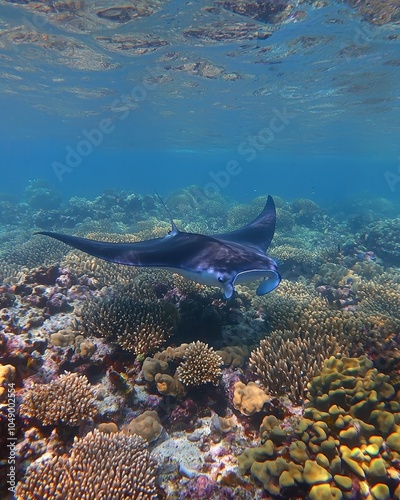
x=157 y=252
x=219 y=260
x=259 y=232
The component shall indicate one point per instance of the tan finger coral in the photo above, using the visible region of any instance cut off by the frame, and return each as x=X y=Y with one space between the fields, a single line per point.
x=201 y=365
x=101 y=465
x=69 y=400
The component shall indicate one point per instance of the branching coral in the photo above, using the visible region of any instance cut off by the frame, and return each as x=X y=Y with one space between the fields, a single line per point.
x=295 y=306
x=381 y=303
x=283 y=308
x=286 y=360
x=201 y=365
x=101 y=272
x=37 y=251
x=68 y=400
x=137 y=324
x=101 y=465
x=10 y=273
x=305 y=260
x=304 y=210
x=383 y=238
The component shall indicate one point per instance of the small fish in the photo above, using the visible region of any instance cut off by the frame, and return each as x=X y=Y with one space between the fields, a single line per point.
x=222 y=260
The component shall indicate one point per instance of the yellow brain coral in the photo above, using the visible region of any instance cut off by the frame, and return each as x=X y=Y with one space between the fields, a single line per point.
x=69 y=400
x=100 y=466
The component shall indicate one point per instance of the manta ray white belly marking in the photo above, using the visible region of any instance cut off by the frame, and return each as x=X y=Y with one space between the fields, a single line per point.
x=219 y=260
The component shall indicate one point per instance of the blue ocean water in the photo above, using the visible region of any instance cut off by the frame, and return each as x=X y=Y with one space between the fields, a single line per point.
x=310 y=111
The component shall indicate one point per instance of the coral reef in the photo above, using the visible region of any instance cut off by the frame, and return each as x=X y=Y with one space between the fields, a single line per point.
x=67 y=400
x=147 y=425
x=7 y=375
x=304 y=426
x=100 y=465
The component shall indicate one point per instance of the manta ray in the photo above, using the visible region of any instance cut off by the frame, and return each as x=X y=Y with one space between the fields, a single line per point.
x=222 y=260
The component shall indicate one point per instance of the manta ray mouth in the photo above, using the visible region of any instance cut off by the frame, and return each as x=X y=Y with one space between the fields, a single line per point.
x=271 y=279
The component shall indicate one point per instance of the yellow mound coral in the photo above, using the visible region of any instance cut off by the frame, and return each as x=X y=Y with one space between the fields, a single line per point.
x=234 y=355
x=101 y=465
x=147 y=425
x=249 y=398
x=68 y=400
x=350 y=433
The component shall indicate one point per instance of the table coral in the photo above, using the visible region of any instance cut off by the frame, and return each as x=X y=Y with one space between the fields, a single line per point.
x=68 y=400
x=100 y=465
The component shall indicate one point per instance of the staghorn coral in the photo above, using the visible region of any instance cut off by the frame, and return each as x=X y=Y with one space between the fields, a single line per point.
x=67 y=400
x=345 y=444
x=286 y=360
x=139 y=324
x=101 y=465
x=201 y=365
